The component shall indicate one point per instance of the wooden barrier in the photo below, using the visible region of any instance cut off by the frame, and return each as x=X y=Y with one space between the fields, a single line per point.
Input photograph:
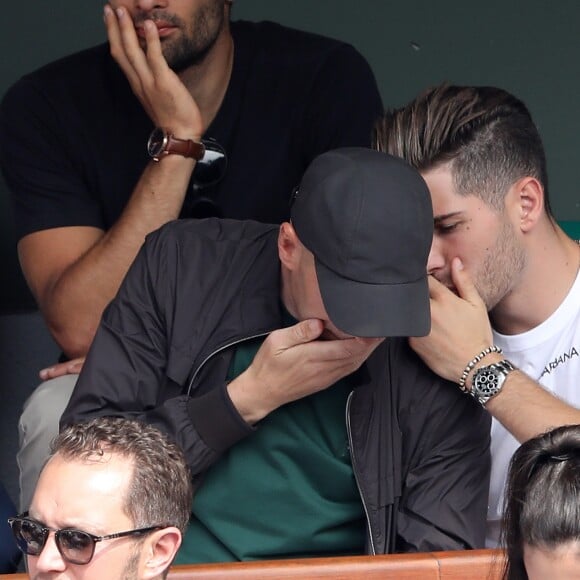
x=462 y=565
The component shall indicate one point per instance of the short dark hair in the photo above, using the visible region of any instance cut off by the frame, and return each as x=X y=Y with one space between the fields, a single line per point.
x=542 y=498
x=160 y=492
x=486 y=133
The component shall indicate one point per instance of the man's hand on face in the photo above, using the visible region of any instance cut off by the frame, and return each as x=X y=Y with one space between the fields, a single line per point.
x=460 y=326
x=163 y=95
x=293 y=363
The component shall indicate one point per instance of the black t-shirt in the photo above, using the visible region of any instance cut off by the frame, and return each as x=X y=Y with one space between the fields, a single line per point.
x=73 y=136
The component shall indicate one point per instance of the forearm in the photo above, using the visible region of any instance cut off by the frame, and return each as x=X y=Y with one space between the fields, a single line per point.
x=73 y=304
x=526 y=409
x=522 y=405
x=203 y=425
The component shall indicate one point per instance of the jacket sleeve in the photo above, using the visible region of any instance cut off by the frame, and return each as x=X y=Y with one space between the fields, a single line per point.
x=126 y=370
x=446 y=438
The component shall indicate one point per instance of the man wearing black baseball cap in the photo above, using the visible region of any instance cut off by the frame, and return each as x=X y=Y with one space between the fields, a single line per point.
x=368 y=223
x=249 y=344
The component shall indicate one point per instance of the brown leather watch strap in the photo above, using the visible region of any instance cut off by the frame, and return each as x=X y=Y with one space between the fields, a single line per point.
x=185 y=147
x=162 y=143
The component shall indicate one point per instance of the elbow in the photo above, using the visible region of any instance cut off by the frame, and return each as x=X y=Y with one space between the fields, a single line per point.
x=74 y=342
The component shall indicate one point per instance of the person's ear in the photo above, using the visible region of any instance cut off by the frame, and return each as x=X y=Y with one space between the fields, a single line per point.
x=527 y=195
x=160 y=550
x=289 y=246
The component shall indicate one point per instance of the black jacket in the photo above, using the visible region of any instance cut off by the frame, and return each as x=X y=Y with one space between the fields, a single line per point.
x=420 y=448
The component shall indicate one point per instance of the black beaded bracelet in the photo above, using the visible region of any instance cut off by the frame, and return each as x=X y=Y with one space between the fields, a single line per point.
x=473 y=362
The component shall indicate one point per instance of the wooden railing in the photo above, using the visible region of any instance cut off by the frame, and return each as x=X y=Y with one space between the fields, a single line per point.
x=462 y=565
x=467 y=565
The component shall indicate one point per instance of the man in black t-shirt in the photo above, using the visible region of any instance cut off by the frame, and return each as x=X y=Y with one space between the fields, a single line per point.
x=73 y=139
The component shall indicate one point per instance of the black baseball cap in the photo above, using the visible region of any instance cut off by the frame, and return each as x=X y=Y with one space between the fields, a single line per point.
x=368 y=219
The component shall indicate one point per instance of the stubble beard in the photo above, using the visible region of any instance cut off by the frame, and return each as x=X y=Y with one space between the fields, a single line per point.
x=501 y=268
x=196 y=40
x=131 y=570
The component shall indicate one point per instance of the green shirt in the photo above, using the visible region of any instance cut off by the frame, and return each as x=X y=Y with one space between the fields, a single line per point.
x=288 y=490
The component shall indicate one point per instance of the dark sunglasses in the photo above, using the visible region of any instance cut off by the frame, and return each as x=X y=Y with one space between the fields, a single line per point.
x=211 y=168
x=75 y=546
x=209 y=171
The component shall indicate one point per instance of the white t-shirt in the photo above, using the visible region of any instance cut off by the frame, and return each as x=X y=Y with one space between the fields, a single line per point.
x=550 y=354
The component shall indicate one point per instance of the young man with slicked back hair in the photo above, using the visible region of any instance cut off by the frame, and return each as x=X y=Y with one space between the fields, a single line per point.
x=504 y=277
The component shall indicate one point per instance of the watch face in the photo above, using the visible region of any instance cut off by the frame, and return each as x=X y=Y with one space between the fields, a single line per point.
x=486 y=382
x=157 y=143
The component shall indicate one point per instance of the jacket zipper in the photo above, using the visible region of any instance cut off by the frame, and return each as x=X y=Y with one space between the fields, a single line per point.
x=193 y=377
x=354 y=470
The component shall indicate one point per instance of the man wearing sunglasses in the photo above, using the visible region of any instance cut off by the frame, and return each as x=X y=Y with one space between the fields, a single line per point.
x=100 y=150
x=261 y=350
x=112 y=502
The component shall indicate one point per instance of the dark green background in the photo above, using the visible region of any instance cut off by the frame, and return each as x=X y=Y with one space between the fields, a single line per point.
x=530 y=48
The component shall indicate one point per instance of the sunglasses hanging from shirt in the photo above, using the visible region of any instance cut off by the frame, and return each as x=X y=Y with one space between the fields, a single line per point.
x=209 y=171
x=211 y=164
x=211 y=168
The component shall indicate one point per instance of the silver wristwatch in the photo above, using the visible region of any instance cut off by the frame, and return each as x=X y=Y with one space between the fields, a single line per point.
x=488 y=381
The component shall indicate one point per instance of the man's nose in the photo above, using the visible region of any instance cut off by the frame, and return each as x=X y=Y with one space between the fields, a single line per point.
x=140 y=5
x=50 y=559
x=435 y=261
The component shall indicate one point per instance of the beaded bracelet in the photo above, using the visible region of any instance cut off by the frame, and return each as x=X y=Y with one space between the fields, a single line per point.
x=473 y=362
